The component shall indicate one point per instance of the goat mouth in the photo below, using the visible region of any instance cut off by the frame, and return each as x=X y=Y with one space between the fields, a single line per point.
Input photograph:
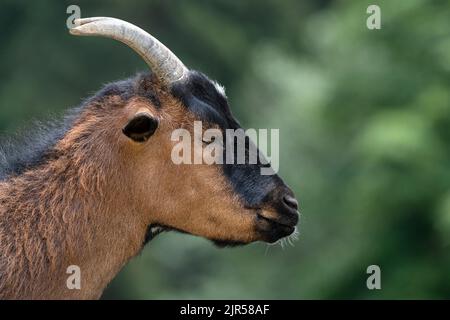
x=276 y=222
x=272 y=230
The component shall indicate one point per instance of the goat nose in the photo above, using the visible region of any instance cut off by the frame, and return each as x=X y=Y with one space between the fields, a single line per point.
x=290 y=202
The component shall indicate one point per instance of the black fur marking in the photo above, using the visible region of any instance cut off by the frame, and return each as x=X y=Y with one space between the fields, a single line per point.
x=200 y=96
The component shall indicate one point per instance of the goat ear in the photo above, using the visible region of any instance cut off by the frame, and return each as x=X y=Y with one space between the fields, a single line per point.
x=141 y=127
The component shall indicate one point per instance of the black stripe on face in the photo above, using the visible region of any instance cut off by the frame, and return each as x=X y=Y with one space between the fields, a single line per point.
x=200 y=96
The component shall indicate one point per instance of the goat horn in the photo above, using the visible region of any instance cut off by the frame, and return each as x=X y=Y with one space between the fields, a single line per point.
x=163 y=62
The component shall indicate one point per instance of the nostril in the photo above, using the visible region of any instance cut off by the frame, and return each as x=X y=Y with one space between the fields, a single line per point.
x=291 y=202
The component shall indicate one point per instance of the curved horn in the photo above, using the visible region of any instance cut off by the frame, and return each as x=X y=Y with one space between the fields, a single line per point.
x=163 y=62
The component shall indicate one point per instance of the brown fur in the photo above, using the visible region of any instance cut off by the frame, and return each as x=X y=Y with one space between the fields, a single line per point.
x=90 y=204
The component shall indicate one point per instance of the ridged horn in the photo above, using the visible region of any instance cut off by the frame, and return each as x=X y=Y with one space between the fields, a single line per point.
x=163 y=62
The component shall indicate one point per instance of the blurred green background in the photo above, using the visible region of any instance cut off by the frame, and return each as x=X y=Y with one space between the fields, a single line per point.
x=364 y=118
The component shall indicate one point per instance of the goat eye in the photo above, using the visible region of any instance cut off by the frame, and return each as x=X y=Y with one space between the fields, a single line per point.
x=140 y=128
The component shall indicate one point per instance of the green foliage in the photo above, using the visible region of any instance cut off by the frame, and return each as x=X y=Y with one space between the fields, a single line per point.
x=363 y=117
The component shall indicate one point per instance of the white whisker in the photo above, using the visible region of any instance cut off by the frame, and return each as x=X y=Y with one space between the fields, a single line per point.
x=267 y=250
x=284 y=242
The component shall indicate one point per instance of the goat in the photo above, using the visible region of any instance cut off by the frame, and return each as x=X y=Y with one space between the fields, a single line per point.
x=93 y=190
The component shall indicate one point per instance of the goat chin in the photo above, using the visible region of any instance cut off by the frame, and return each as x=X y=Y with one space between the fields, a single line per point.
x=227 y=243
x=156 y=229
